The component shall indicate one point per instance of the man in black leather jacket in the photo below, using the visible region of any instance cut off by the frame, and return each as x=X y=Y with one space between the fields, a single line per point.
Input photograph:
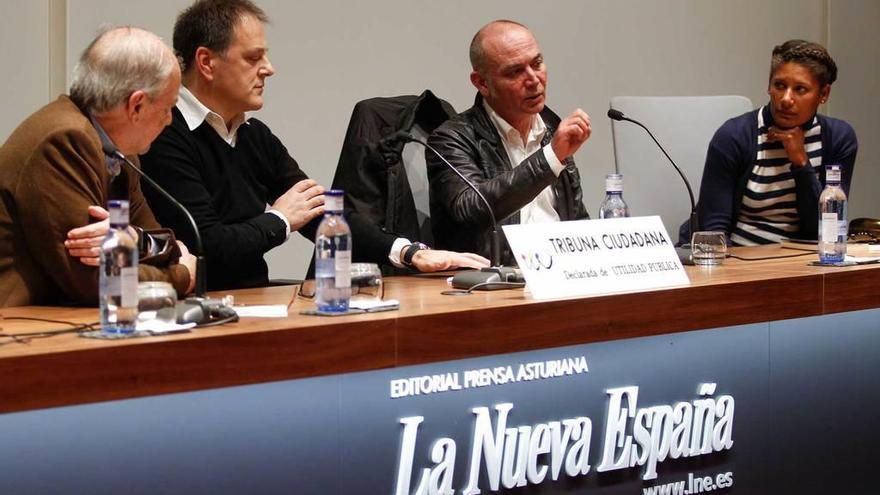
x=516 y=151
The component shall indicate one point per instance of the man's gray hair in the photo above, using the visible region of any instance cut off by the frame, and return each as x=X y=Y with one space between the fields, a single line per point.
x=120 y=61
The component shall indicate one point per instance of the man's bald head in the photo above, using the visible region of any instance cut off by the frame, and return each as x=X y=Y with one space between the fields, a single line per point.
x=509 y=71
x=478 y=52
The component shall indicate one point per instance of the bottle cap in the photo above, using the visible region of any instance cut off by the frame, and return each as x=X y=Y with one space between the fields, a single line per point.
x=334 y=200
x=614 y=183
x=118 y=209
x=832 y=174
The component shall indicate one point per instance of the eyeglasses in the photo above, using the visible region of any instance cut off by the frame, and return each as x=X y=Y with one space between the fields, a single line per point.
x=366 y=281
x=866 y=230
x=864 y=236
x=306 y=289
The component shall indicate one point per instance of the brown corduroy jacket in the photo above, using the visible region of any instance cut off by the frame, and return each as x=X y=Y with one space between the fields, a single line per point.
x=52 y=168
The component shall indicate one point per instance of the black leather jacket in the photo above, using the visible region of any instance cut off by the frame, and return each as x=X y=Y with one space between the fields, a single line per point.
x=373 y=176
x=470 y=142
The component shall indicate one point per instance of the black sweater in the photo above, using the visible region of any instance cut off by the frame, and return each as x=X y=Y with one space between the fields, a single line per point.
x=226 y=189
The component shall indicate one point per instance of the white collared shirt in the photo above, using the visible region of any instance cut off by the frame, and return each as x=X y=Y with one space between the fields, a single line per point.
x=541 y=209
x=195 y=112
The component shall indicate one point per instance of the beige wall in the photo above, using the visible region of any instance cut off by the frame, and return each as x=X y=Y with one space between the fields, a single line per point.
x=854 y=42
x=329 y=54
x=24 y=55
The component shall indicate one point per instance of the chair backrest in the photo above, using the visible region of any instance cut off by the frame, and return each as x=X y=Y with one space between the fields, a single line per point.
x=684 y=125
x=414 y=167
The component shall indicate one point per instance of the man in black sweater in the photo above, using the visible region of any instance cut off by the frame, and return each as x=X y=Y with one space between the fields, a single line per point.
x=227 y=168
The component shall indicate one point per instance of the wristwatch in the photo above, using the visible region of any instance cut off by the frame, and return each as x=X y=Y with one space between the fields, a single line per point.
x=410 y=251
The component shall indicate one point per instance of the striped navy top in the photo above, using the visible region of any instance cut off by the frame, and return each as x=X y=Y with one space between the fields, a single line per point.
x=769 y=209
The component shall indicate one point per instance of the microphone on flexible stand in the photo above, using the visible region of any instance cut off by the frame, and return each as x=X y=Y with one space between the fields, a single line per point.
x=494 y=277
x=683 y=253
x=198 y=309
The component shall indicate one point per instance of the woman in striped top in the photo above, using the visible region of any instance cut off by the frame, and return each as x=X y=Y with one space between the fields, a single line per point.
x=765 y=169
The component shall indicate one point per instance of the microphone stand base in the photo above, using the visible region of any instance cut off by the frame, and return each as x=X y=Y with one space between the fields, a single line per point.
x=489 y=276
x=685 y=254
x=201 y=311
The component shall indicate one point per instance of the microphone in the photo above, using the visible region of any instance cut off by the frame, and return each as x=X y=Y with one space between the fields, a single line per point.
x=693 y=222
x=493 y=277
x=390 y=147
x=399 y=137
x=201 y=279
x=615 y=114
x=199 y=309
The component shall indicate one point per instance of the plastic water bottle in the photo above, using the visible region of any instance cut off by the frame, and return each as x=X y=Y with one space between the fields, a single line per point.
x=118 y=295
x=333 y=257
x=832 y=218
x=613 y=206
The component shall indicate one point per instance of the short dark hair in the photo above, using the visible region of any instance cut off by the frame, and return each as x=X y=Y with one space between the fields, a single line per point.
x=210 y=23
x=811 y=55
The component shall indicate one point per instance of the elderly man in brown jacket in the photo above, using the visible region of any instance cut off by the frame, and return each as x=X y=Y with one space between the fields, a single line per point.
x=54 y=175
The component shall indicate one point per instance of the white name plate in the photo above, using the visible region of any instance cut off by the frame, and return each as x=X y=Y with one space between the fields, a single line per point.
x=588 y=257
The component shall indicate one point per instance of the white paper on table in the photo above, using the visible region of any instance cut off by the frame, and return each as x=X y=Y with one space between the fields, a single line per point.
x=862 y=260
x=157 y=327
x=262 y=311
x=373 y=305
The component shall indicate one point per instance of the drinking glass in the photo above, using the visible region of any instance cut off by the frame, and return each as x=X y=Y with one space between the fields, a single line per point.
x=156 y=301
x=709 y=248
x=366 y=282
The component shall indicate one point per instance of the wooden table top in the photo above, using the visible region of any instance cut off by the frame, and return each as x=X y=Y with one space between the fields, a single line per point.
x=429 y=327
